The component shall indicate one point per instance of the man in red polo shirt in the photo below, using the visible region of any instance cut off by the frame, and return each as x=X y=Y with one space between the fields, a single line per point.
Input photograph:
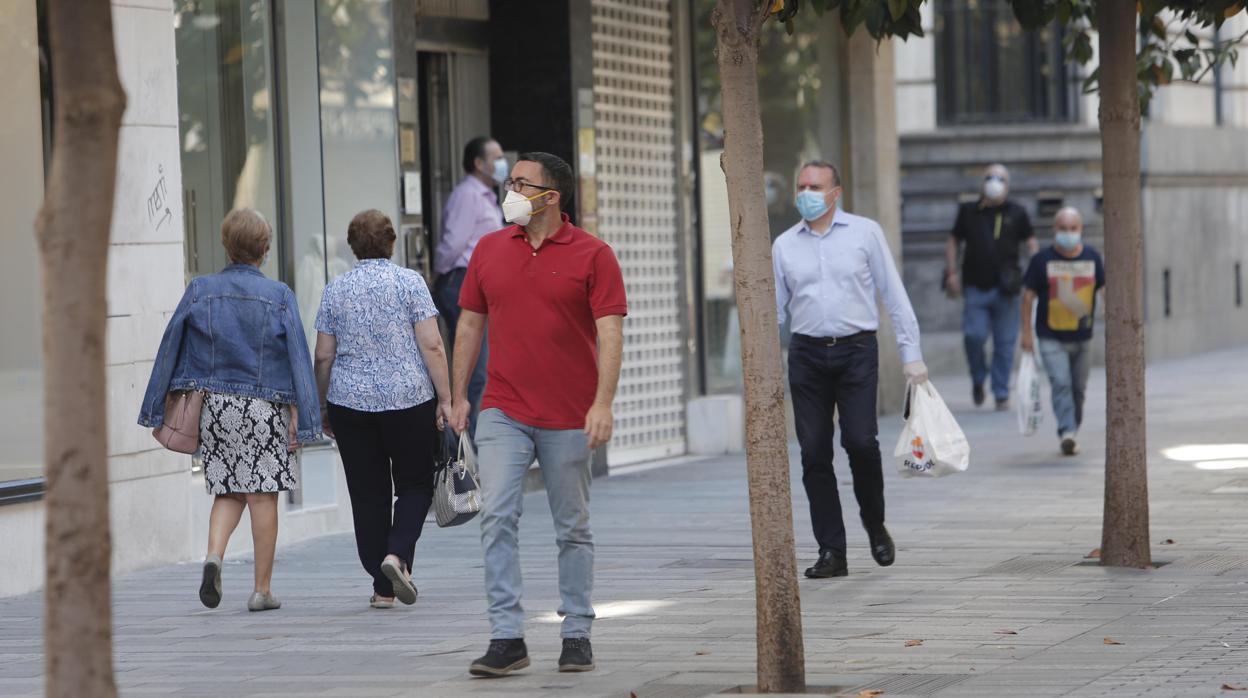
x=554 y=297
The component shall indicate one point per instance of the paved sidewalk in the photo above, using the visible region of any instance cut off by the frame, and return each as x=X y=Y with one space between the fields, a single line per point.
x=990 y=577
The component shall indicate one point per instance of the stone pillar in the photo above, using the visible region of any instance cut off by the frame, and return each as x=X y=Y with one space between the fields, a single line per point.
x=858 y=132
x=874 y=175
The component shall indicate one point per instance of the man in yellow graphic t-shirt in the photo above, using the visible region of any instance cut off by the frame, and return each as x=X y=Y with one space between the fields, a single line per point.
x=1064 y=280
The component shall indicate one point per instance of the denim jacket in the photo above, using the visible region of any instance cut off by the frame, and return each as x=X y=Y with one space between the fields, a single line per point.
x=236 y=332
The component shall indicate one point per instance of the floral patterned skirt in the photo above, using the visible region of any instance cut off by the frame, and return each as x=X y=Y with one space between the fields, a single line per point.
x=242 y=441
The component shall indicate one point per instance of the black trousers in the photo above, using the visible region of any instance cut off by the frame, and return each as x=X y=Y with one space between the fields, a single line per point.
x=840 y=378
x=378 y=449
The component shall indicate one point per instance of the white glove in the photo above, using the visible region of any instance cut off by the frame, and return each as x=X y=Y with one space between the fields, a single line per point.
x=916 y=372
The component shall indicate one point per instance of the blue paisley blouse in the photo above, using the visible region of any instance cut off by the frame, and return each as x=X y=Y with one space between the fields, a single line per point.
x=371 y=312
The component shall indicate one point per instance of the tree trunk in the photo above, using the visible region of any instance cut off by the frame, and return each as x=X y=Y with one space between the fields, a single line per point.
x=73 y=231
x=1124 y=532
x=781 y=658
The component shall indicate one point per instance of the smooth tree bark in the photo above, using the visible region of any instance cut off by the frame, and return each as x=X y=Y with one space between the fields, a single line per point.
x=73 y=234
x=781 y=657
x=1124 y=531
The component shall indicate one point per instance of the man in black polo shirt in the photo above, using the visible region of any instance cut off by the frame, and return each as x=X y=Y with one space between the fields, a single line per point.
x=989 y=232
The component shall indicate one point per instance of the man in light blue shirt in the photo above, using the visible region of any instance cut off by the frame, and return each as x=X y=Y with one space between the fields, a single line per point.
x=829 y=269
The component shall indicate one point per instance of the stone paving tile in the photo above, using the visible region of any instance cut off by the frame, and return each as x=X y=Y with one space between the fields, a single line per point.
x=998 y=548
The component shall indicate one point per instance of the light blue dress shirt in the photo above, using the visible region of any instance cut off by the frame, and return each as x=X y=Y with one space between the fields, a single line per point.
x=372 y=311
x=829 y=282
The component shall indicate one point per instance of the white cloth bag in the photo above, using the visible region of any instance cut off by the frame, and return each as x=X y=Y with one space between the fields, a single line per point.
x=931 y=444
x=1030 y=406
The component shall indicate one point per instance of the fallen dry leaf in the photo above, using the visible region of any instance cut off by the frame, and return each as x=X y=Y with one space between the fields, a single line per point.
x=1168 y=541
x=1096 y=552
x=1111 y=641
x=870 y=693
x=702 y=653
x=913 y=643
x=1007 y=632
x=1233 y=687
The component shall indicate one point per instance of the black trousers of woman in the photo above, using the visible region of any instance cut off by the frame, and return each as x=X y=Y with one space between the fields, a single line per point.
x=389 y=459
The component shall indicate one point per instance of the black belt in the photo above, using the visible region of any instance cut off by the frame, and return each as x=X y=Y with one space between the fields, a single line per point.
x=833 y=341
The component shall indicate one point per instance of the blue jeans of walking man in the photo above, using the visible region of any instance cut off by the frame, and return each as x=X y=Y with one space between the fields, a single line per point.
x=990 y=313
x=505 y=450
x=1068 y=365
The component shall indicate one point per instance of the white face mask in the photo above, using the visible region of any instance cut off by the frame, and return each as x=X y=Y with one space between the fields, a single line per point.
x=518 y=209
x=994 y=189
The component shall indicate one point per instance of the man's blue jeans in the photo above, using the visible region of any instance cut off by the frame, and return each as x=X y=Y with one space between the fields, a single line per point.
x=505 y=450
x=446 y=298
x=990 y=313
x=1068 y=365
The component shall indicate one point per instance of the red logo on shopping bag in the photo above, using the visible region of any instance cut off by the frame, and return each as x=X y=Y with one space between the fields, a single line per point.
x=916 y=448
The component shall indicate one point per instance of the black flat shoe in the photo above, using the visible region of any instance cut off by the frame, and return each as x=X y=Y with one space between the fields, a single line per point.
x=829 y=564
x=578 y=655
x=882 y=548
x=503 y=657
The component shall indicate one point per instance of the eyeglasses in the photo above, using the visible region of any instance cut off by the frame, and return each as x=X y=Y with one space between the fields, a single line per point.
x=516 y=185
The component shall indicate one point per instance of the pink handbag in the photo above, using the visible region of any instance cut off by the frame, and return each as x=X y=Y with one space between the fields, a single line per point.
x=180 y=430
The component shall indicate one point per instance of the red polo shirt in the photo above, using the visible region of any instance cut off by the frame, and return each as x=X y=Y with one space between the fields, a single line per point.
x=542 y=306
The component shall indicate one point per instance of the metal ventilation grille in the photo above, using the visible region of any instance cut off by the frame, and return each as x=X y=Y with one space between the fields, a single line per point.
x=636 y=151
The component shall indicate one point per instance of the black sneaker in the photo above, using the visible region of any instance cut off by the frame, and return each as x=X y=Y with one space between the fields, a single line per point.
x=829 y=564
x=977 y=394
x=577 y=655
x=503 y=657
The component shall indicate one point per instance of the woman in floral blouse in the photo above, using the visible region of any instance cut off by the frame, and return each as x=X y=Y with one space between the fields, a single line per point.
x=385 y=392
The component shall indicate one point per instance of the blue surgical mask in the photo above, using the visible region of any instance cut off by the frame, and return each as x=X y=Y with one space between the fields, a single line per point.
x=1066 y=239
x=500 y=170
x=811 y=204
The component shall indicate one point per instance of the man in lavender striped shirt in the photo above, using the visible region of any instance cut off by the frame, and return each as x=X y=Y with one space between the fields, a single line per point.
x=471 y=211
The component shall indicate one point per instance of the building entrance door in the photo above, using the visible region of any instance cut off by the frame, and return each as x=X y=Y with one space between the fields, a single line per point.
x=454 y=108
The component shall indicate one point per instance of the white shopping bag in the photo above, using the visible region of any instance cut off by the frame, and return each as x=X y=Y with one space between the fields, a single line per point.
x=1030 y=407
x=931 y=444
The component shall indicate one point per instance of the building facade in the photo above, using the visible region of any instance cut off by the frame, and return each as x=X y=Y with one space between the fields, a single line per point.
x=978 y=89
x=310 y=111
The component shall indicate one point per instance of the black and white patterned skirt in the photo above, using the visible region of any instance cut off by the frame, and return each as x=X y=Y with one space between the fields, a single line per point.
x=242 y=442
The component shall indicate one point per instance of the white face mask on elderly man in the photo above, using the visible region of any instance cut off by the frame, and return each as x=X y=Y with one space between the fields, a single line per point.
x=994 y=188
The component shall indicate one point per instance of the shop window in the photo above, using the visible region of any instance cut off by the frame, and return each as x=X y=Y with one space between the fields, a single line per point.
x=225 y=104
x=25 y=143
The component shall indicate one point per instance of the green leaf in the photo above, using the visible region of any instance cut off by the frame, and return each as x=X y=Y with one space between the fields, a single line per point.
x=1081 y=49
x=788 y=27
x=876 y=18
x=897 y=8
x=1158 y=28
x=1063 y=12
x=1191 y=38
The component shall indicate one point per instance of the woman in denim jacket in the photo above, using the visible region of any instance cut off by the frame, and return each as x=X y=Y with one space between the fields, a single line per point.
x=237 y=336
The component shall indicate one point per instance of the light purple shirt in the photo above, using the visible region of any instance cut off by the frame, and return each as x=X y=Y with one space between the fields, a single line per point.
x=471 y=211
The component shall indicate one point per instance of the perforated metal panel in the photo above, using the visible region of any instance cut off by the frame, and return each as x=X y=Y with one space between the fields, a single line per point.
x=636 y=147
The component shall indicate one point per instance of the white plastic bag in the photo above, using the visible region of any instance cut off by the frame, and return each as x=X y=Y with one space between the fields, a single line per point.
x=1030 y=406
x=931 y=444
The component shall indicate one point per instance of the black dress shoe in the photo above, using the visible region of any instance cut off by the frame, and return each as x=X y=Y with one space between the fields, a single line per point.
x=882 y=548
x=503 y=657
x=977 y=394
x=577 y=655
x=829 y=564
